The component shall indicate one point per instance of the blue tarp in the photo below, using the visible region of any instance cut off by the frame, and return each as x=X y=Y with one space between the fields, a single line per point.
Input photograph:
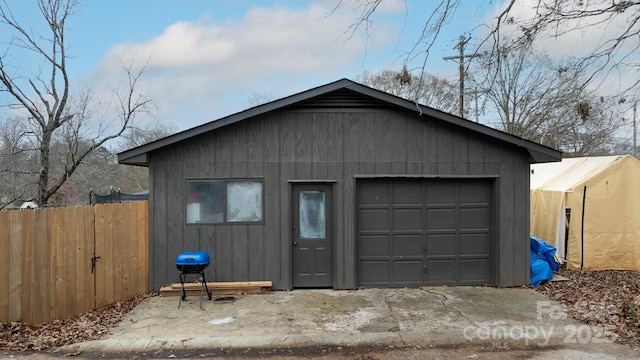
x=542 y=262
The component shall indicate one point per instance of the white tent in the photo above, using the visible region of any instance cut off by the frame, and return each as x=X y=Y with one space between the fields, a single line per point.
x=589 y=209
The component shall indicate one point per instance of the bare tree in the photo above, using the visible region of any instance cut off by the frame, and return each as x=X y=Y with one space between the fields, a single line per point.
x=540 y=100
x=424 y=89
x=16 y=163
x=618 y=21
x=44 y=100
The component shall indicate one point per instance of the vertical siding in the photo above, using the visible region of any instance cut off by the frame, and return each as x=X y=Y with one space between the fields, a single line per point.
x=323 y=145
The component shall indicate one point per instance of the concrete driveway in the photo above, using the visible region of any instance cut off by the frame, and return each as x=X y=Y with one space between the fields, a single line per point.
x=482 y=322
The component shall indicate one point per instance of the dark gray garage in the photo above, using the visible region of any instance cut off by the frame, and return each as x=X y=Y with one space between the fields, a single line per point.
x=413 y=232
x=342 y=186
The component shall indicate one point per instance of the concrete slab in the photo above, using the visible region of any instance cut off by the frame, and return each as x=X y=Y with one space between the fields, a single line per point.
x=423 y=318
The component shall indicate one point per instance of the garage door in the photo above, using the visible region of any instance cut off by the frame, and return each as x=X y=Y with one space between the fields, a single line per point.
x=423 y=232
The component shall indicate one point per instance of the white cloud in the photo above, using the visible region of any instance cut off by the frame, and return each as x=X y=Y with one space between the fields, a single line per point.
x=194 y=68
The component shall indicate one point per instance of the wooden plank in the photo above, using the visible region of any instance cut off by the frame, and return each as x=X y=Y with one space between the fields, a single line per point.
x=345 y=241
x=256 y=140
x=285 y=267
x=41 y=310
x=508 y=237
x=272 y=215
x=351 y=137
x=134 y=255
x=167 y=291
x=239 y=156
x=143 y=246
x=108 y=258
x=174 y=218
x=15 y=265
x=256 y=252
x=57 y=305
x=99 y=269
x=272 y=137
x=429 y=142
x=122 y=251
x=521 y=223
x=84 y=252
x=70 y=260
x=28 y=266
x=383 y=141
x=225 y=284
x=398 y=129
x=239 y=253
x=413 y=140
x=222 y=260
x=302 y=128
x=287 y=137
x=366 y=134
x=5 y=256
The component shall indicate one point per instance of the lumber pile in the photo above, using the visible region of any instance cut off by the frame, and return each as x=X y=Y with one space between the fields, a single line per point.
x=235 y=288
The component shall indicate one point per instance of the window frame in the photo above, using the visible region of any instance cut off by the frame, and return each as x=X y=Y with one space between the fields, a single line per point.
x=225 y=181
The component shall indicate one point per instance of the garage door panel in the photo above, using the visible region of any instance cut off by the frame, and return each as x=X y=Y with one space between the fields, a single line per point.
x=441 y=193
x=407 y=219
x=374 y=272
x=374 y=193
x=472 y=192
x=374 y=219
x=474 y=270
x=408 y=245
x=441 y=219
x=440 y=271
x=408 y=272
x=373 y=245
x=474 y=218
x=407 y=193
x=475 y=244
x=441 y=244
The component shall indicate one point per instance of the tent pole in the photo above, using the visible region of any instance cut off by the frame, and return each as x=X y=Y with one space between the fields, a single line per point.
x=584 y=198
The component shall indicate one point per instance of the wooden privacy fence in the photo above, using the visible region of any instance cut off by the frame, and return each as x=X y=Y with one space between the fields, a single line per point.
x=60 y=262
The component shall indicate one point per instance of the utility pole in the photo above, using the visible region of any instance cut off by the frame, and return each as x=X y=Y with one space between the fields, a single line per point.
x=461 y=44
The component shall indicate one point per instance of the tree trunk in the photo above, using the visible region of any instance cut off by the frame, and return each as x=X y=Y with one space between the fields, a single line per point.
x=43 y=179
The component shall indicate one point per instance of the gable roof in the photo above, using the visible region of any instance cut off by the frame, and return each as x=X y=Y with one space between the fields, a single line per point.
x=537 y=153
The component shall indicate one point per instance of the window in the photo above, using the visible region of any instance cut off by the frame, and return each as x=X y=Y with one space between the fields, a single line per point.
x=224 y=201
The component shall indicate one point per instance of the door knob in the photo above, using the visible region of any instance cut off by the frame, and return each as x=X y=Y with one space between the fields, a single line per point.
x=295 y=243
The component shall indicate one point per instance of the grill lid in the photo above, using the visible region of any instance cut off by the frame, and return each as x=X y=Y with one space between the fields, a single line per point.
x=193 y=258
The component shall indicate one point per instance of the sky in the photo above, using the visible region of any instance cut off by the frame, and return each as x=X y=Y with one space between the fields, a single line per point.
x=206 y=59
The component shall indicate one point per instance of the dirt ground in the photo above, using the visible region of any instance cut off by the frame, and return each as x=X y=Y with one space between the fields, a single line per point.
x=610 y=299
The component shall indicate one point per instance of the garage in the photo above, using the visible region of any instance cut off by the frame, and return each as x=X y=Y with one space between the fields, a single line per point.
x=401 y=194
x=413 y=232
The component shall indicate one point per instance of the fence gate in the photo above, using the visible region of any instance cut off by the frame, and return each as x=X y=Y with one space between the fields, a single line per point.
x=60 y=262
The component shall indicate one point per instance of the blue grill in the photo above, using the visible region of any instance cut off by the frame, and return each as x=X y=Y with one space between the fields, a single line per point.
x=193 y=263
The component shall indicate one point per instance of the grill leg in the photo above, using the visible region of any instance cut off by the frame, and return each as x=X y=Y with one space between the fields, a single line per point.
x=204 y=281
x=183 y=293
x=202 y=289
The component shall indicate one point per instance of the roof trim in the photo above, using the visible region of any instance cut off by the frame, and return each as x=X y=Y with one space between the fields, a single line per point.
x=537 y=153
